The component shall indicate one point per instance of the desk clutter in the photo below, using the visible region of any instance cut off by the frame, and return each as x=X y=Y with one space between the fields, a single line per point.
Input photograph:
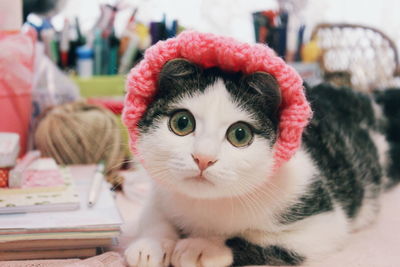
x=100 y=51
x=44 y=210
x=81 y=133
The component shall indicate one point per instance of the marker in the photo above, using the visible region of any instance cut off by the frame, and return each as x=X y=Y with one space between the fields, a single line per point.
x=97 y=181
x=64 y=44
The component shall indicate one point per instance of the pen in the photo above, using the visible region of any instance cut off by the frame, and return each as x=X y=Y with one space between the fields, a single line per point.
x=97 y=48
x=64 y=44
x=97 y=181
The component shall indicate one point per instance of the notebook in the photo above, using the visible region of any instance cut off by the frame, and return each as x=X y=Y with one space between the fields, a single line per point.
x=41 y=199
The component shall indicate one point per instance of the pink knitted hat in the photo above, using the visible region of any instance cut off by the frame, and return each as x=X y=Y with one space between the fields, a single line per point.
x=209 y=50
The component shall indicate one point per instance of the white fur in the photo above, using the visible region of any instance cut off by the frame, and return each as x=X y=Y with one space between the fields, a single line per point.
x=382 y=146
x=193 y=252
x=378 y=112
x=243 y=199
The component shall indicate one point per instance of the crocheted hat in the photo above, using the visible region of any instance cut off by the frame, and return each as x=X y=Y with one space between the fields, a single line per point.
x=209 y=50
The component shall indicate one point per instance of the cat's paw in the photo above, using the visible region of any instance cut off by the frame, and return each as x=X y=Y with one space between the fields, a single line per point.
x=148 y=252
x=193 y=252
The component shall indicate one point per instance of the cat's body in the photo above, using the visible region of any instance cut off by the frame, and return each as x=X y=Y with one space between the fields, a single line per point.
x=217 y=202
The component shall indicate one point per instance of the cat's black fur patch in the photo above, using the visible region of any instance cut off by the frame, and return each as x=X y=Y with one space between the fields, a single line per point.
x=317 y=200
x=338 y=139
x=390 y=102
x=257 y=93
x=245 y=253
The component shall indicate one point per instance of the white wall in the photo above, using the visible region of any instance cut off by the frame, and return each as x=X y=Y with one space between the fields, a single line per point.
x=228 y=17
x=233 y=17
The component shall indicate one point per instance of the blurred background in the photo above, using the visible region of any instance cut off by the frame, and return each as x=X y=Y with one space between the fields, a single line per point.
x=83 y=50
x=233 y=17
x=299 y=30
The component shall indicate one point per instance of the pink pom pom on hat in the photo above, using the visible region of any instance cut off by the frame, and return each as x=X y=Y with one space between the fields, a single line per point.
x=209 y=50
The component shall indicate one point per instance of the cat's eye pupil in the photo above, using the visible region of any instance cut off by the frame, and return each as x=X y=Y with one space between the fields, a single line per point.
x=240 y=134
x=183 y=122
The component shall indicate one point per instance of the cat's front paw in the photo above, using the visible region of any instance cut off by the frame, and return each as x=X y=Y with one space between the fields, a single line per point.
x=149 y=252
x=193 y=252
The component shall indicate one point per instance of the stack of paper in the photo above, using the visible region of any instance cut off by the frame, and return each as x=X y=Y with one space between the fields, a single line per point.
x=49 y=234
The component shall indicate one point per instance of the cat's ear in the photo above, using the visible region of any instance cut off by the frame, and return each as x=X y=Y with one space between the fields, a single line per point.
x=265 y=85
x=178 y=68
x=178 y=74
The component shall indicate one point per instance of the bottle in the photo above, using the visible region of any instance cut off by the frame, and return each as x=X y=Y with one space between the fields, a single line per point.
x=85 y=61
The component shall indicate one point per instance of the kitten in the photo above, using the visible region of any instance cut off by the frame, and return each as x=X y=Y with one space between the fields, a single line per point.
x=206 y=141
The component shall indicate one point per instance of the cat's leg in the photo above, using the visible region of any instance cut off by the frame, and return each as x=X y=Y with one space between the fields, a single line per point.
x=155 y=241
x=306 y=241
x=205 y=252
x=247 y=253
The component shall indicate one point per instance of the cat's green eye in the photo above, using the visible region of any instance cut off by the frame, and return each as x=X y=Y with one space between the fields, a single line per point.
x=240 y=134
x=182 y=123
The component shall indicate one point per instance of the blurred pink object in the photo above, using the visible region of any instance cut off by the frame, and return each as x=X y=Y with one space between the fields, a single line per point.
x=16 y=174
x=16 y=79
x=43 y=172
x=43 y=178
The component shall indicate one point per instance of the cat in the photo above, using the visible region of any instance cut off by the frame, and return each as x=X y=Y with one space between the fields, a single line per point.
x=206 y=141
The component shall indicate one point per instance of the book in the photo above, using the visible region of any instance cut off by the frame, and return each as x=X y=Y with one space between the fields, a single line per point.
x=73 y=233
x=59 y=236
x=49 y=244
x=47 y=254
x=102 y=220
x=39 y=199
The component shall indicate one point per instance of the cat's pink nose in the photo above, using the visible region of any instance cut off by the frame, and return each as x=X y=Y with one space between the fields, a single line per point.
x=203 y=161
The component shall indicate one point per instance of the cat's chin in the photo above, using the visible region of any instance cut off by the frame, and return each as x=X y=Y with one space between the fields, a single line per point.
x=195 y=187
x=203 y=188
x=199 y=187
x=200 y=179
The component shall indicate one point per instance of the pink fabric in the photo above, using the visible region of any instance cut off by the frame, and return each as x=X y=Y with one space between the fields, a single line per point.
x=208 y=50
x=16 y=78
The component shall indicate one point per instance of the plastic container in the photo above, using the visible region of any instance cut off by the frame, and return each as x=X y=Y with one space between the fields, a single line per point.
x=85 y=61
x=17 y=50
x=16 y=79
x=9 y=149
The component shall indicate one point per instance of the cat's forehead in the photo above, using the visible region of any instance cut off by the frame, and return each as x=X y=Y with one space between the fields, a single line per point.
x=214 y=102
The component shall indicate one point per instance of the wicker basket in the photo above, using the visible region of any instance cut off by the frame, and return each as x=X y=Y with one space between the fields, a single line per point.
x=358 y=56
